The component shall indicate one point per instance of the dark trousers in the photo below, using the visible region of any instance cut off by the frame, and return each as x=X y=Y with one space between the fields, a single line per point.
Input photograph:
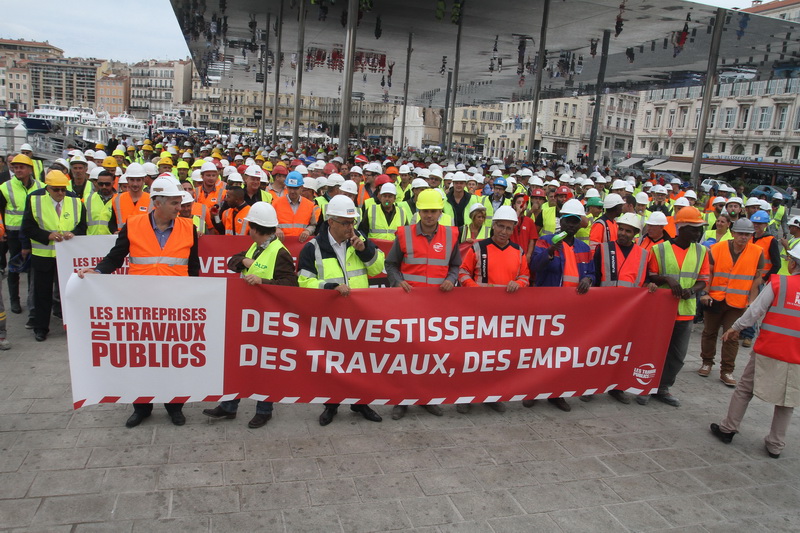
x=14 y=247
x=147 y=408
x=44 y=275
x=676 y=353
x=720 y=317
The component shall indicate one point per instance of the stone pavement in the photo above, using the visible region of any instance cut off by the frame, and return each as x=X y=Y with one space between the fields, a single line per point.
x=603 y=467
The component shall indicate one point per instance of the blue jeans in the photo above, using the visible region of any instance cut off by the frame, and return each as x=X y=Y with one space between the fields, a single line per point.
x=262 y=408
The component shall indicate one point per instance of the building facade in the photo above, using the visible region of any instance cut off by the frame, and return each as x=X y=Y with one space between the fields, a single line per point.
x=62 y=81
x=423 y=127
x=472 y=126
x=113 y=94
x=159 y=86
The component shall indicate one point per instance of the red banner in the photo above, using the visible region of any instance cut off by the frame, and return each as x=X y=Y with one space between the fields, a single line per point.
x=468 y=345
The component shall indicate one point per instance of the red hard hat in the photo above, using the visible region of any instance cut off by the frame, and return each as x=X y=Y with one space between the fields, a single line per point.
x=295 y=162
x=563 y=190
x=280 y=169
x=361 y=159
x=383 y=178
x=538 y=192
x=330 y=168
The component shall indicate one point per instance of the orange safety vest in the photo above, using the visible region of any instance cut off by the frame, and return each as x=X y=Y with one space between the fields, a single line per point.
x=290 y=222
x=124 y=208
x=732 y=281
x=630 y=271
x=275 y=194
x=425 y=263
x=235 y=224
x=212 y=198
x=147 y=258
x=495 y=267
x=570 y=277
x=363 y=195
x=671 y=229
x=201 y=211
x=765 y=242
x=646 y=242
x=779 y=337
x=609 y=230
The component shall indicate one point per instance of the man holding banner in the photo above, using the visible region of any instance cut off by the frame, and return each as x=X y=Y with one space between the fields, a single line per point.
x=159 y=244
x=424 y=255
x=339 y=258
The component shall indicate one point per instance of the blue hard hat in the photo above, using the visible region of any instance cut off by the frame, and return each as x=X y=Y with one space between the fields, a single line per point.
x=294 y=179
x=501 y=181
x=760 y=217
x=19 y=264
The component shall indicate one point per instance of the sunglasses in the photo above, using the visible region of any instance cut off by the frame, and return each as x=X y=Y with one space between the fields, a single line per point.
x=58 y=189
x=104 y=184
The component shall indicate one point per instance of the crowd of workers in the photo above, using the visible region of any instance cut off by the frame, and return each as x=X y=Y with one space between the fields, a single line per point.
x=445 y=224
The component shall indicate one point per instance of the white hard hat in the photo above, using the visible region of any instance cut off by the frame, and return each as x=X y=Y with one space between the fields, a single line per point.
x=263 y=214
x=99 y=154
x=656 y=218
x=310 y=183
x=404 y=169
x=683 y=202
x=388 y=188
x=524 y=172
x=658 y=189
x=716 y=200
x=253 y=170
x=356 y=169
x=675 y=181
x=334 y=180
x=765 y=205
x=227 y=171
x=122 y=180
x=165 y=187
x=794 y=254
x=187 y=198
x=150 y=168
x=459 y=176
x=350 y=186
x=322 y=181
x=435 y=171
x=630 y=219
x=690 y=194
x=95 y=173
x=208 y=167
x=600 y=179
x=419 y=182
x=26 y=147
x=592 y=193
x=612 y=200
x=449 y=168
x=642 y=198
x=449 y=176
x=618 y=184
x=135 y=170
x=753 y=202
x=196 y=176
x=572 y=207
x=777 y=196
x=476 y=206
x=235 y=177
x=78 y=158
x=341 y=206
x=424 y=173
x=505 y=212
x=794 y=221
x=302 y=169
x=61 y=161
x=536 y=181
x=374 y=167
x=497 y=173
x=734 y=200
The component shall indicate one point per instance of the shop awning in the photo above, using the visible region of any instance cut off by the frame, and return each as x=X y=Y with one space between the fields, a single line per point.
x=673 y=166
x=629 y=162
x=716 y=170
x=653 y=162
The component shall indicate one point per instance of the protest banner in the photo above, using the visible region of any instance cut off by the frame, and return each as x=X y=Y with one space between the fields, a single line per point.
x=164 y=338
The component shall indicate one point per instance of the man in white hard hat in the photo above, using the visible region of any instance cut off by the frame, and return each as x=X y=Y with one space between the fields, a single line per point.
x=366 y=189
x=252 y=182
x=212 y=191
x=779 y=216
x=505 y=266
x=791 y=241
x=266 y=262
x=604 y=229
x=134 y=201
x=380 y=222
x=79 y=177
x=339 y=253
x=660 y=202
x=159 y=234
x=654 y=230
x=773 y=371
x=38 y=166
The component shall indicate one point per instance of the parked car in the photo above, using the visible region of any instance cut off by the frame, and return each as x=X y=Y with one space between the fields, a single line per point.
x=710 y=183
x=769 y=191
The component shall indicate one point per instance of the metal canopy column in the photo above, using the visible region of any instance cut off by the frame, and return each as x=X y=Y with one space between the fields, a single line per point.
x=454 y=88
x=301 y=65
x=711 y=78
x=264 y=66
x=402 y=142
x=598 y=97
x=537 y=84
x=278 y=52
x=347 y=79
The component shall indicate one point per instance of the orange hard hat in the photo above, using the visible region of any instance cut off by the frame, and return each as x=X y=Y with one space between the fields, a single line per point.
x=689 y=215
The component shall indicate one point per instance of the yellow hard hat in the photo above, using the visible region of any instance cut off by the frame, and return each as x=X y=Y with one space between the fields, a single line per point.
x=165 y=154
x=430 y=199
x=131 y=147
x=183 y=164
x=100 y=146
x=165 y=161
x=259 y=157
x=148 y=142
x=267 y=166
x=147 y=147
x=198 y=163
x=109 y=162
x=56 y=178
x=118 y=151
x=22 y=159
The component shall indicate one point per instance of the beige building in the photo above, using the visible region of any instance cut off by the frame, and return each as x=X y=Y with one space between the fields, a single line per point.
x=62 y=81
x=473 y=124
x=113 y=94
x=159 y=86
x=16 y=49
x=616 y=127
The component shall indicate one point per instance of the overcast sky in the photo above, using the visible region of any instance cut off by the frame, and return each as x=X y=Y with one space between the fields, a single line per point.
x=127 y=30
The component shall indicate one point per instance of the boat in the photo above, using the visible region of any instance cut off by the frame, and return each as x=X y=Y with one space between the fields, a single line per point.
x=49 y=117
x=169 y=120
x=126 y=124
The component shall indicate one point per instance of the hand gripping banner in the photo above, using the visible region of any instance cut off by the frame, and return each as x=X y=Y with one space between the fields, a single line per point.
x=142 y=338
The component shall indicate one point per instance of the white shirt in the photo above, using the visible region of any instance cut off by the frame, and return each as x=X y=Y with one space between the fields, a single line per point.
x=340 y=249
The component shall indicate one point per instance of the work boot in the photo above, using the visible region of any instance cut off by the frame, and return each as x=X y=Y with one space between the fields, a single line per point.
x=643 y=399
x=327 y=415
x=727 y=379
x=561 y=403
x=463 y=408
x=528 y=403
x=586 y=397
x=367 y=412
x=500 y=407
x=667 y=398
x=721 y=435
x=399 y=411
x=705 y=370
x=620 y=396
x=747 y=343
x=219 y=412
x=435 y=410
x=16 y=308
x=259 y=420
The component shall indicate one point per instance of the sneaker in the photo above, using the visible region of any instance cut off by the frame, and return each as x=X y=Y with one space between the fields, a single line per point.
x=643 y=400
x=29 y=324
x=727 y=379
x=705 y=370
x=4 y=344
x=747 y=343
x=667 y=398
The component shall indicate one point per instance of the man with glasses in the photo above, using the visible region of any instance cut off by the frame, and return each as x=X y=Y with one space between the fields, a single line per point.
x=367 y=188
x=99 y=208
x=79 y=182
x=134 y=201
x=51 y=215
x=340 y=258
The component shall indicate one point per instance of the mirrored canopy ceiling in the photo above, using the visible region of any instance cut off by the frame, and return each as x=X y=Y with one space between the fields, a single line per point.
x=654 y=44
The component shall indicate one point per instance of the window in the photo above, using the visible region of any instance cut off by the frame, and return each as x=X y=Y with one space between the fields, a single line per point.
x=611 y=102
x=608 y=121
x=679 y=148
x=697 y=118
x=729 y=117
x=657 y=120
x=682 y=114
x=555 y=126
x=671 y=119
x=744 y=117
x=712 y=117
x=574 y=110
x=722 y=147
x=775 y=151
x=780 y=121
x=571 y=129
x=756 y=149
x=643 y=144
x=764 y=118
x=648 y=116
x=563 y=127
x=556 y=107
